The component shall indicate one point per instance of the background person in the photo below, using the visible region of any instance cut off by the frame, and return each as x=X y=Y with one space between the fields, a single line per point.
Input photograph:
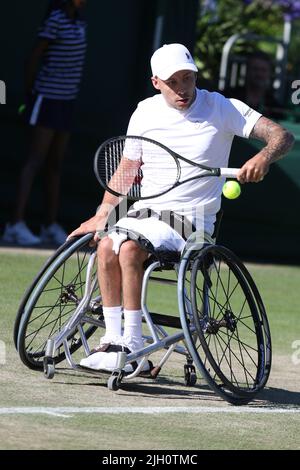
x=257 y=91
x=51 y=90
x=200 y=126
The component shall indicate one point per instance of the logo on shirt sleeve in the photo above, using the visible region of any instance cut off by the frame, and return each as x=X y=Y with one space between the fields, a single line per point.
x=248 y=112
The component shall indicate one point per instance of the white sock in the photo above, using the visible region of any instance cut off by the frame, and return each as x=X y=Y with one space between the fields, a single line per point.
x=113 y=323
x=133 y=329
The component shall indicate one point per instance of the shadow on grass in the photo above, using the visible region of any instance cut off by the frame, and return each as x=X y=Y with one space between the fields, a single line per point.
x=274 y=397
x=160 y=388
x=167 y=390
x=173 y=387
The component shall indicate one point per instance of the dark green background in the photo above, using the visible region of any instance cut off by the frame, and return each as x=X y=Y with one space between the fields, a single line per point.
x=263 y=223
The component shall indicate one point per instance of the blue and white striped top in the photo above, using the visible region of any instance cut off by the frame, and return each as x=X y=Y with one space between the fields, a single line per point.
x=61 y=71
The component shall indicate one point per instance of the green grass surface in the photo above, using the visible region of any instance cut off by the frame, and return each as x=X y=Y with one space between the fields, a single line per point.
x=154 y=432
x=279 y=286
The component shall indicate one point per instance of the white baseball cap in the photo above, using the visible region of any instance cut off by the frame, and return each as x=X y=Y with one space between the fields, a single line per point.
x=171 y=58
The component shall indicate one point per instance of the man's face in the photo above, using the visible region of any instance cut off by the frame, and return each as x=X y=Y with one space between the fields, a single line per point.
x=178 y=90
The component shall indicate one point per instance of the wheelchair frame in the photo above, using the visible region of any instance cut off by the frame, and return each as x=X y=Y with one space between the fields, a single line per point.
x=50 y=336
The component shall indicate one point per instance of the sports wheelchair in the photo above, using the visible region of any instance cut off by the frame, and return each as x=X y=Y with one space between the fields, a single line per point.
x=221 y=328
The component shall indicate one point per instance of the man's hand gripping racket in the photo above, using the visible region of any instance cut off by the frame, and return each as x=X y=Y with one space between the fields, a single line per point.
x=141 y=168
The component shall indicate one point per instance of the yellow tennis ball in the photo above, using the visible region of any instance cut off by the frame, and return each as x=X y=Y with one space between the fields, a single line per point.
x=231 y=189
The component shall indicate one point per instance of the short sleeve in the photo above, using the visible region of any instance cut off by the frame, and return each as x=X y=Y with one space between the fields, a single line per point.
x=237 y=117
x=134 y=126
x=133 y=149
x=49 y=28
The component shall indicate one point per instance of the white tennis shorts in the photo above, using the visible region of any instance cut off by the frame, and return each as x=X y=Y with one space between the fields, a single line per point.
x=160 y=234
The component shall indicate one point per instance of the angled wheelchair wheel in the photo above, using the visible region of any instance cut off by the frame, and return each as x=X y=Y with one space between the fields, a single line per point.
x=225 y=323
x=52 y=299
x=33 y=284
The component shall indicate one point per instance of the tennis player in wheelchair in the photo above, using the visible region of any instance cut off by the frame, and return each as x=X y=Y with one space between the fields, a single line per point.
x=191 y=122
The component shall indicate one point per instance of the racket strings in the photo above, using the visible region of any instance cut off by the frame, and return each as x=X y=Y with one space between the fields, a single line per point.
x=116 y=172
x=136 y=167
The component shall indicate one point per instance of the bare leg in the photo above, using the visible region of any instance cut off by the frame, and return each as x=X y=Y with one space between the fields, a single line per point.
x=113 y=270
x=131 y=260
x=109 y=274
x=53 y=174
x=40 y=144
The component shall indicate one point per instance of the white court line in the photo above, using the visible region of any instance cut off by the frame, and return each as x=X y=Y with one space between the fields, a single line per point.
x=66 y=412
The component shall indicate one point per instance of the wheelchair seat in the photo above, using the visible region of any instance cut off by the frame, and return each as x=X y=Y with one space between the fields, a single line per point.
x=166 y=258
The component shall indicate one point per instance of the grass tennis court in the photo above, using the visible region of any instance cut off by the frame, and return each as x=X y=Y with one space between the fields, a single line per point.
x=179 y=417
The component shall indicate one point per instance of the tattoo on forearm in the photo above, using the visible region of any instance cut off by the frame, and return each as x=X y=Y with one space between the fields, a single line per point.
x=279 y=141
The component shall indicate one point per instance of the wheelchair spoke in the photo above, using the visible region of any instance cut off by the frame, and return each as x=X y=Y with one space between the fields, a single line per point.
x=229 y=355
x=56 y=326
x=234 y=356
x=239 y=341
x=53 y=301
x=227 y=358
x=225 y=289
x=230 y=321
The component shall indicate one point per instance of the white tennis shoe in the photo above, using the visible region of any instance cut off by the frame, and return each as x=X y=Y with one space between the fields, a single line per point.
x=105 y=358
x=101 y=361
x=107 y=362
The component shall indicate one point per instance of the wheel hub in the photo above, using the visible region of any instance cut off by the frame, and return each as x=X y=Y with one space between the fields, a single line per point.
x=228 y=321
x=69 y=295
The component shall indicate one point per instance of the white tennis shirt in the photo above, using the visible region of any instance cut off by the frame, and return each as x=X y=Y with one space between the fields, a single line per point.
x=204 y=134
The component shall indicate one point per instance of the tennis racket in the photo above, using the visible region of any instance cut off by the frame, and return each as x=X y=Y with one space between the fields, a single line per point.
x=140 y=168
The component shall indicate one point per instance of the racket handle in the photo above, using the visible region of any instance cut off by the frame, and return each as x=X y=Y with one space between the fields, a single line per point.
x=229 y=172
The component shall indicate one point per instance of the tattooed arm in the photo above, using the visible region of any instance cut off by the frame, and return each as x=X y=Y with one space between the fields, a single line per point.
x=278 y=142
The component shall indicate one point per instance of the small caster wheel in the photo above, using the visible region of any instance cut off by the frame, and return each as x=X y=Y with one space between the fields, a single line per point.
x=113 y=383
x=115 y=380
x=190 y=377
x=49 y=368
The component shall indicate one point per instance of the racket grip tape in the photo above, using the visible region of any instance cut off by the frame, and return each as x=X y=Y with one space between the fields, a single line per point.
x=229 y=172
